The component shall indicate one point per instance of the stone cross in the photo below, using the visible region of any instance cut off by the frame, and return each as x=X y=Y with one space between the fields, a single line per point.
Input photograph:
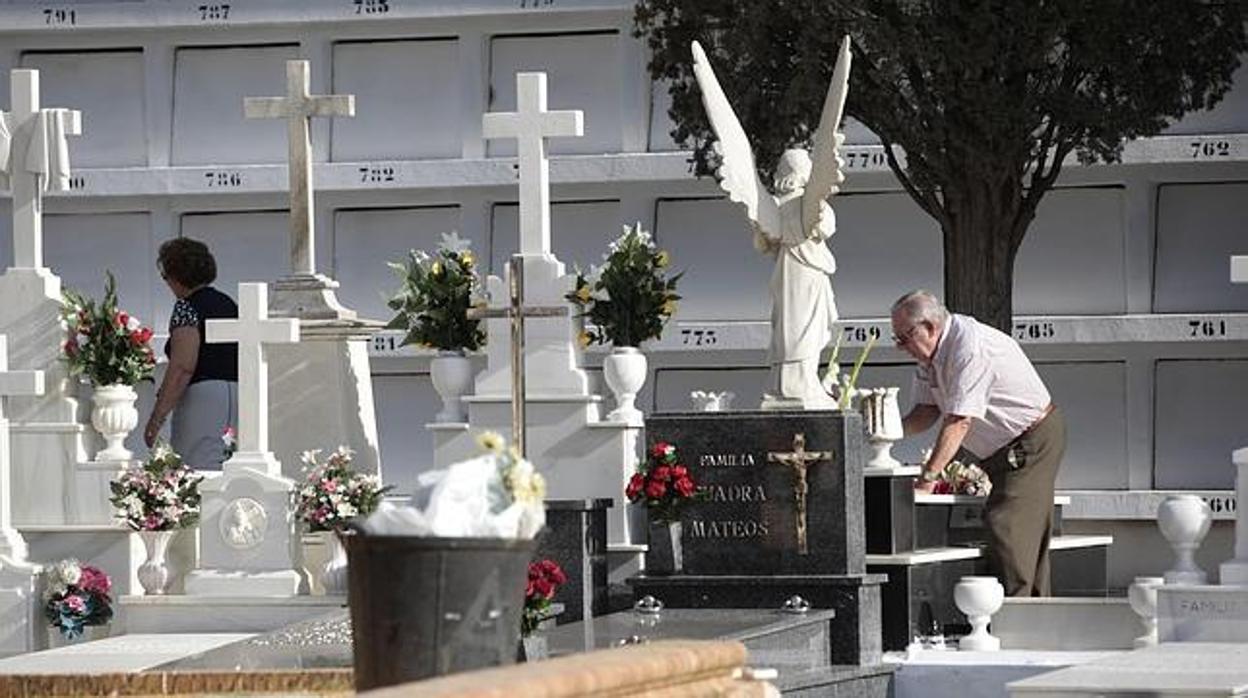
x=12 y=546
x=26 y=185
x=297 y=107
x=252 y=330
x=517 y=312
x=799 y=459
x=1239 y=269
x=531 y=125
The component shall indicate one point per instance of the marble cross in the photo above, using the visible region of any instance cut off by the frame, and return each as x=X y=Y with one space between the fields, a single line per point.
x=517 y=312
x=297 y=107
x=12 y=546
x=1239 y=269
x=252 y=330
x=26 y=186
x=531 y=125
x=799 y=459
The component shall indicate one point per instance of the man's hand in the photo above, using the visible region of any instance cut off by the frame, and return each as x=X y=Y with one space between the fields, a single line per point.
x=922 y=486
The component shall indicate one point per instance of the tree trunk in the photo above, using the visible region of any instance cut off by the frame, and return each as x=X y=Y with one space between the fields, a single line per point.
x=979 y=256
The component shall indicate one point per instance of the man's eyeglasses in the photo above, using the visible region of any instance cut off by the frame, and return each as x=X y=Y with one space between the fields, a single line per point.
x=902 y=339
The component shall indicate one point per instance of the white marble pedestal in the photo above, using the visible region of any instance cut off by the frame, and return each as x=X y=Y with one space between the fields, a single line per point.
x=321 y=395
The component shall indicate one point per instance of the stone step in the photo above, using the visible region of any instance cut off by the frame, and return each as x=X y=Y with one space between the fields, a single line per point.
x=113 y=548
x=179 y=613
x=1068 y=624
x=1204 y=669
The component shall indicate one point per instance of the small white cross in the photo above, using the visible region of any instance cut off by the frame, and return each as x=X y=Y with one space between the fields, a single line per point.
x=13 y=383
x=252 y=330
x=26 y=187
x=297 y=107
x=531 y=125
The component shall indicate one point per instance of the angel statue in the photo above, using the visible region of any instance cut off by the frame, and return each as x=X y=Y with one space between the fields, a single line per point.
x=792 y=226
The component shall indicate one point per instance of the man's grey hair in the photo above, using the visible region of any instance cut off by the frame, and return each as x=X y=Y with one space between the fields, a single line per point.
x=921 y=305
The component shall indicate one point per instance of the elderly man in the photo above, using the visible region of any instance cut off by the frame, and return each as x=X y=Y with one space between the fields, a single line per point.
x=989 y=400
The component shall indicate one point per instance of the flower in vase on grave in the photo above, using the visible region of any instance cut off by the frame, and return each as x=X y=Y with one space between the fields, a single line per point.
x=160 y=494
x=104 y=344
x=437 y=292
x=545 y=578
x=332 y=493
x=76 y=596
x=663 y=483
x=491 y=441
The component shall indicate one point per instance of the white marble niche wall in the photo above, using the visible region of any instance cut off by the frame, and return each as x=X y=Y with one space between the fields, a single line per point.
x=582 y=72
x=248 y=245
x=366 y=239
x=404 y=109
x=579 y=232
x=1199 y=226
x=1200 y=407
x=208 y=89
x=108 y=88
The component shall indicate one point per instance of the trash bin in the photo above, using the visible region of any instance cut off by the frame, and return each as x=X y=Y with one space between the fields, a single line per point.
x=424 y=607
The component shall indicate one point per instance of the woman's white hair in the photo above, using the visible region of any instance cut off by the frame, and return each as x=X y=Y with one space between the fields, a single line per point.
x=921 y=305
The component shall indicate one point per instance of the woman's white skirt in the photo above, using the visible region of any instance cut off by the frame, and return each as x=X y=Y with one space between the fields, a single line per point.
x=200 y=419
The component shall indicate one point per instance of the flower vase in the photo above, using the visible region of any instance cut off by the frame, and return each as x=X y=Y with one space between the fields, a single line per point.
x=625 y=371
x=114 y=416
x=451 y=373
x=1142 y=594
x=533 y=647
x=154 y=573
x=979 y=598
x=665 y=553
x=1184 y=520
x=333 y=571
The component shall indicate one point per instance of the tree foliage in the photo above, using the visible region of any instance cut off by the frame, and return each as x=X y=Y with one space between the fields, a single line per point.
x=978 y=103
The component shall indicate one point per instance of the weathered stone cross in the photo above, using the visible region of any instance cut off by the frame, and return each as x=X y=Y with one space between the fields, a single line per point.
x=517 y=312
x=799 y=459
x=252 y=330
x=531 y=125
x=297 y=107
x=25 y=179
x=12 y=545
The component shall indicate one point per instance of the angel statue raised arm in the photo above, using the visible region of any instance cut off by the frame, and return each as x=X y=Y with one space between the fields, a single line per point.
x=793 y=226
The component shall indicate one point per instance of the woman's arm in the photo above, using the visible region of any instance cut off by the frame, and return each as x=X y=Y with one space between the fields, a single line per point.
x=183 y=356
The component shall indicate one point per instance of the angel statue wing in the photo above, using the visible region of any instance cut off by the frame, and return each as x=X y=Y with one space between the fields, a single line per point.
x=737 y=174
x=825 y=170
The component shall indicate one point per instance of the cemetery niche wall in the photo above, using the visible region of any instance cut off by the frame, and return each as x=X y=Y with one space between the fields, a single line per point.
x=1123 y=331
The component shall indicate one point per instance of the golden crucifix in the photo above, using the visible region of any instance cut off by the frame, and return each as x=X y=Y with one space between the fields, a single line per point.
x=799 y=459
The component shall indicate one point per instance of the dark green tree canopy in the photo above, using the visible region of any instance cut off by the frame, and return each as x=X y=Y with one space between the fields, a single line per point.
x=986 y=98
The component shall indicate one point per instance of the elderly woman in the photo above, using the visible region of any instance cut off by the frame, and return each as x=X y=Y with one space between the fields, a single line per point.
x=200 y=387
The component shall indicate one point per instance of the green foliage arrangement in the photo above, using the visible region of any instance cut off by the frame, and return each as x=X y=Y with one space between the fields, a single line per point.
x=436 y=293
x=631 y=297
x=107 y=345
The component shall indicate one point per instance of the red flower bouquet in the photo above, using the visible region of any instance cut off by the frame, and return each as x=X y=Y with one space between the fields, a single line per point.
x=545 y=578
x=662 y=483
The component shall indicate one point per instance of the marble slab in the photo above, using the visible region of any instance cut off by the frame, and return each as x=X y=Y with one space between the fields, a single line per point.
x=1207 y=613
x=748 y=520
x=1170 y=669
x=125 y=653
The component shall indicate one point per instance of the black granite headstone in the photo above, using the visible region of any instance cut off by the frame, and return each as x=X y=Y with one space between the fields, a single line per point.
x=781 y=492
x=576 y=537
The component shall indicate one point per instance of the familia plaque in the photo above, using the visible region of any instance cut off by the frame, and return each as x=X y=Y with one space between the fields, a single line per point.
x=779 y=492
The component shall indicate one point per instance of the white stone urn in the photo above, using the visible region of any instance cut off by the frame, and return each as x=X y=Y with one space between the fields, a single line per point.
x=333 y=572
x=114 y=416
x=1184 y=520
x=625 y=371
x=154 y=573
x=881 y=418
x=1143 y=597
x=451 y=372
x=979 y=598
